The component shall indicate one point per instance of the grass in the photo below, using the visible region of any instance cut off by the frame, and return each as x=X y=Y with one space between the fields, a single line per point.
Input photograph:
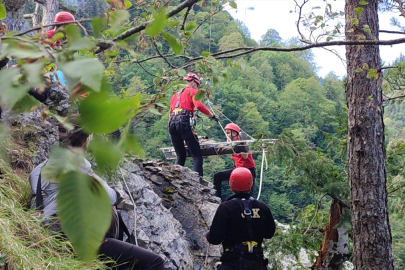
x=24 y=243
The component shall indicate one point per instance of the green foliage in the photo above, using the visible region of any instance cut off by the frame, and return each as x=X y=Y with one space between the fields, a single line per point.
x=2 y=11
x=85 y=212
x=101 y=114
x=157 y=25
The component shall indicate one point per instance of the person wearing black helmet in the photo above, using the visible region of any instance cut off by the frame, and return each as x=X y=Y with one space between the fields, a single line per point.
x=181 y=126
x=240 y=224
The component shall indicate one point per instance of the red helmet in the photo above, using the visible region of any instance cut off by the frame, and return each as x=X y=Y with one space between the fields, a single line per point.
x=192 y=77
x=233 y=127
x=241 y=179
x=64 y=16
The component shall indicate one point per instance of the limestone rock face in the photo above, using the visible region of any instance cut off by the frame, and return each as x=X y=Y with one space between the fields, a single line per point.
x=37 y=133
x=173 y=210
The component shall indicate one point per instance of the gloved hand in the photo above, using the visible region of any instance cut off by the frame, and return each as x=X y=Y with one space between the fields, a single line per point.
x=214 y=117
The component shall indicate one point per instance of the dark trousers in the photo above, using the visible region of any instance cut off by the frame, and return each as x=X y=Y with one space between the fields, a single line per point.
x=243 y=264
x=224 y=175
x=130 y=257
x=180 y=131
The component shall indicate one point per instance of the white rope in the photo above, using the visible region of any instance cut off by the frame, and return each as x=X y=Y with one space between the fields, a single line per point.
x=223 y=130
x=210 y=103
x=133 y=202
x=264 y=158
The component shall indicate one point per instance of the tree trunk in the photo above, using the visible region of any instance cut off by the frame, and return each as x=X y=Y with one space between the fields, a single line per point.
x=367 y=176
x=335 y=245
x=36 y=18
x=49 y=10
x=15 y=15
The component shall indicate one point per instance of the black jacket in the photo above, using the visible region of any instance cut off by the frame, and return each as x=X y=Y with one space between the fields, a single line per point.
x=230 y=228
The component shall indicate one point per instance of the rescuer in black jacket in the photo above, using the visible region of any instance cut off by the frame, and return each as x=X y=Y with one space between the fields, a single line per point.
x=240 y=224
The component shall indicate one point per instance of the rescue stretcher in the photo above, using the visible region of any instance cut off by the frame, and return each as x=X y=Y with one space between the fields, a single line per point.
x=213 y=148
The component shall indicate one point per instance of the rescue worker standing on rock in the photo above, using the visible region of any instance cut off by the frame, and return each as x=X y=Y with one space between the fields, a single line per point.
x=241 y=160
x=240 y=224
x=181 y=122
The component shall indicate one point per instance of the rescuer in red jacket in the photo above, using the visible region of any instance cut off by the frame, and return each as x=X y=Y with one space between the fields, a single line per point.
x=181 y=122
x=60 y=17
x=240 y=160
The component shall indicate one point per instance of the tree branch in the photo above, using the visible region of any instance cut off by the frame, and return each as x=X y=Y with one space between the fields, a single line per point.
x=401 y=10
x=185 y=18
x=164 y=58
x=139 y=28
x=44 y=26
x=391 y=32
x=316 y=213
x=393 y=98
x=396 y=189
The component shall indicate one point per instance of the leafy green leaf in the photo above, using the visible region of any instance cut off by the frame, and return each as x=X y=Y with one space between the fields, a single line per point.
x=101 y=114
x=99 y=24
x=117 y=17
x=106 y=153
x=88 y=71
x=172 y=24
x=359 y=10
x=367 y=29
x=25 y=104
x=365 y=66
x=2 y=11
x=181 y=72
x=173 y=43
x=11 y=89
x=358 y=70
x=72 y=33
x=190 y=26
x=372 y=74
x=205 y=53
x=81 y=44
x=329 y=38
x=157 y=25
x=20 y=50
x=232 y=4
x=57 y=36
x=33 y=73
x=128 y=4
x=355 y=21
x=200 y=95
x=363 y=3
x=84 y=210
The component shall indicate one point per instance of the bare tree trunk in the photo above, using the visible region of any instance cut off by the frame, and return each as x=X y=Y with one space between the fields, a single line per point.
x=367 y=176
x=335 y=245
x=50 y=8
x=15 y=15
x=36 y=18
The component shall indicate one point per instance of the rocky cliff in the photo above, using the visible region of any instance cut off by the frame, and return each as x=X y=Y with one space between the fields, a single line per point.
x=167 y=207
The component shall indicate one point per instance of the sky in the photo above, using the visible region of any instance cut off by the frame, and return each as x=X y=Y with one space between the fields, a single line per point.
x=275 y=14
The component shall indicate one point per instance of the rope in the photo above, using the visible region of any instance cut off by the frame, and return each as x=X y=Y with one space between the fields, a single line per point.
x=133 y=202
x=261 y=173
x=223 y=130
x=209 y=103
